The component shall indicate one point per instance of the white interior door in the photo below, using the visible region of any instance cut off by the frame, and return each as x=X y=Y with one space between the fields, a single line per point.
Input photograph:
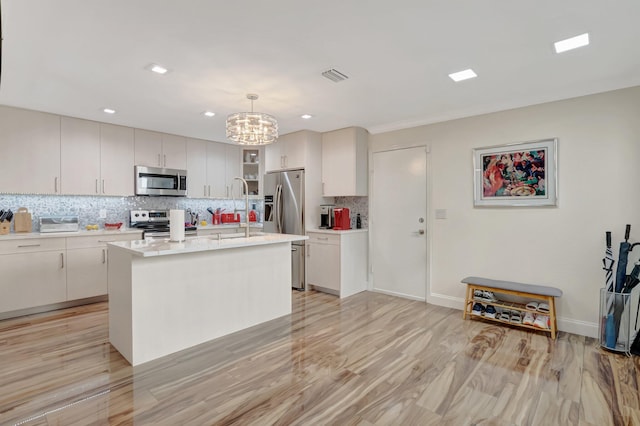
x=399 y=222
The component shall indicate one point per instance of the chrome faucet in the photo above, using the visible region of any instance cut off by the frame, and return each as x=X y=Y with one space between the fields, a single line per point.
x=246 y=204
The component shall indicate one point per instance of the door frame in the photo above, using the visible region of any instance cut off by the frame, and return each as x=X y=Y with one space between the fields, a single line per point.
x=428 y=217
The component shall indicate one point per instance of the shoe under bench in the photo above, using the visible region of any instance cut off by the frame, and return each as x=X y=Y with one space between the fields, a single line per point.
x=529 y=292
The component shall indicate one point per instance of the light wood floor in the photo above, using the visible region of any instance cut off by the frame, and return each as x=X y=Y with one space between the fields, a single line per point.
x=370 y=359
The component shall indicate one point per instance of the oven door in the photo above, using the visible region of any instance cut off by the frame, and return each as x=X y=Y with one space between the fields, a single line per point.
x=159 y=181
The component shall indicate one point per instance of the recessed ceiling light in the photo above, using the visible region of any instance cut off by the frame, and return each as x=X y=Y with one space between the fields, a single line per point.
x=209 y=113
x=159 y=69
x=463 y=75
x=571 y=43
x=306 y=116
x=109 y=110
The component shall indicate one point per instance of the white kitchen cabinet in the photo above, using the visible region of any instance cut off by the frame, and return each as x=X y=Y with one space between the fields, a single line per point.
x=30 y=160
x=337 y=261
x=33 y=273
x=288 y=152
x=87 y=260
x=323 y=262
x=96 y=158
x=211 y=168
x=116 y=160
x=197 y=169
x=232 y=163
x=174 y=151
x=344 y=162
x=79 y=157
x=155 y=149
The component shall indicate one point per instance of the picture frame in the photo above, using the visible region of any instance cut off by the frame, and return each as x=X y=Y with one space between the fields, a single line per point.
x=522 y=174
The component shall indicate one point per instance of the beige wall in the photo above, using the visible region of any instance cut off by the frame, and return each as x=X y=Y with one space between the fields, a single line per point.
x=599 y=190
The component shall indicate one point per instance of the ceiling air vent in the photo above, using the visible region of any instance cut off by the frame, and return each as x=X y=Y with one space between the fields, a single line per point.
x=335 y=75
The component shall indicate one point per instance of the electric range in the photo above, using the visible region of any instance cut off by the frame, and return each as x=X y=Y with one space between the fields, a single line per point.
x=155 y=223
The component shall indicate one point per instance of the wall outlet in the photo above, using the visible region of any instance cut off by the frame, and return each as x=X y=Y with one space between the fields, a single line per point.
x=103 y=213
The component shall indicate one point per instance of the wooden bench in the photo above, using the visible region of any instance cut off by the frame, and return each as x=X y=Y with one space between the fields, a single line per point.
x=530 y=292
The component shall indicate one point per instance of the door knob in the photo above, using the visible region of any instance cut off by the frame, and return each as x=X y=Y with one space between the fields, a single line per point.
x=420 y=231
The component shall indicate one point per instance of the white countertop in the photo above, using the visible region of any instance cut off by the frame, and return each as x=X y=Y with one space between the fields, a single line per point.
x=162 y=247
x=331 y=231
x=82 y=233
x=234 y=225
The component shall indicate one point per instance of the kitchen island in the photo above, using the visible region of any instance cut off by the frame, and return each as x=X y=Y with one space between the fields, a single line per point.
x=167 y=296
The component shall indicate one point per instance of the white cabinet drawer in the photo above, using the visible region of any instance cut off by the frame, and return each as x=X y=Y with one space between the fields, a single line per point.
x=323 y=238
x=99 y=240
x=29 y=245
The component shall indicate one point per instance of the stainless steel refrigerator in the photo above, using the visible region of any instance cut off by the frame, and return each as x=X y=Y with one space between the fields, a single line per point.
x=284 y=214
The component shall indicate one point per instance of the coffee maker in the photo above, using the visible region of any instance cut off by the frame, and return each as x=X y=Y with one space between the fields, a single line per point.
x=326 y=216
x=342 y=219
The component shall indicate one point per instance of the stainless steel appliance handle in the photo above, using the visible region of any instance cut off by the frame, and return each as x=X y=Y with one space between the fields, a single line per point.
x=280 y=207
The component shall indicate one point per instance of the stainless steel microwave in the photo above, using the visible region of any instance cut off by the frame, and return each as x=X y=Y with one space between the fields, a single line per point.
x=159 y=181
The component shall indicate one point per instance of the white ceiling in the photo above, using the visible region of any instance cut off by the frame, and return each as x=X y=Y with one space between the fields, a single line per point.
x=75 y=57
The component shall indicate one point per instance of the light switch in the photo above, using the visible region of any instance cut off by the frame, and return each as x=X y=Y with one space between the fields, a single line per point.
x=441 y=213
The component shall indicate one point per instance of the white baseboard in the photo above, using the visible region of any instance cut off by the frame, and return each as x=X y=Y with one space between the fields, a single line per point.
x=582 y=328
x=392 y=293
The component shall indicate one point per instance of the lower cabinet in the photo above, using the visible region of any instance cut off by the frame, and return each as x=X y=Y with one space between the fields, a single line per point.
x=337 y=261
x=33 y=273
x=87 y=259
x=45 y=271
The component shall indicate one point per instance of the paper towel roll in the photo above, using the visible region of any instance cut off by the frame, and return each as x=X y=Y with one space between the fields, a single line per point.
x=176 y=225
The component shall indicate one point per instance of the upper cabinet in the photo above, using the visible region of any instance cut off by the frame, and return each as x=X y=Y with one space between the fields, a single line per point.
x=155 y=149
x=288 y=152
x=344 y=162
x=232 y=157
x=79 y=157
x=95 y=158
x=116 y=160
x=211 y=167
x=30 y=160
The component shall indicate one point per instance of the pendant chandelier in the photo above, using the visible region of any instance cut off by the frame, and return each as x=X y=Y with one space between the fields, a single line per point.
x=252 y=128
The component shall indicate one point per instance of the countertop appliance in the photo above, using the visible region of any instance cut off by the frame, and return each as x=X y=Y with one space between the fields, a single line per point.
x=155 y=223
x=58 y=224
x=342 y=219
x=159 y=181
x=326 y=216
x=284 y=214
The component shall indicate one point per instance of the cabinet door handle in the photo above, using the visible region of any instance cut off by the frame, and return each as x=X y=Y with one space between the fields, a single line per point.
x=323 y=238
x=322 y=188
x=209 y=192
x=165 y=160
x=104 y=256
x=97 y=186
x=159 y=162
x=309 y=250
x=205 y=190
x=103 y=191
x=55 y=185
x=61 y=260
x=28 y=245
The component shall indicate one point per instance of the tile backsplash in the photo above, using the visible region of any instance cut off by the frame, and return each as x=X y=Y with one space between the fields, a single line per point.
x=87 y=208
x=356 y=205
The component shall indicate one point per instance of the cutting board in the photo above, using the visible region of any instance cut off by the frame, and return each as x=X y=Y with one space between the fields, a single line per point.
x=22 y=220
